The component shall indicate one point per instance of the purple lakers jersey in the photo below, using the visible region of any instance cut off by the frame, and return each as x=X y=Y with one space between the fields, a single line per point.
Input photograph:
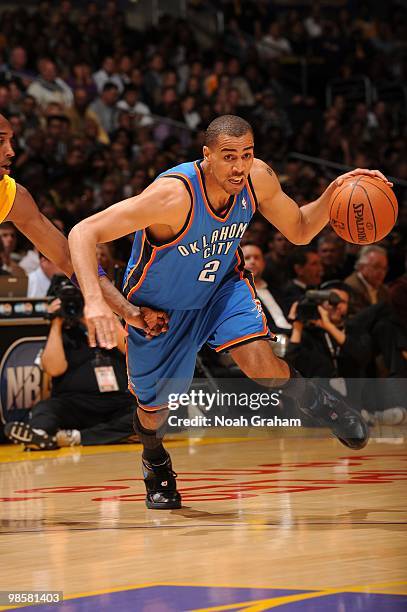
x=184 y=273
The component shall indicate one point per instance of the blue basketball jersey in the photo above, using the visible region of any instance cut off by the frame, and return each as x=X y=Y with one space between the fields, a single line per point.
x=184 y=273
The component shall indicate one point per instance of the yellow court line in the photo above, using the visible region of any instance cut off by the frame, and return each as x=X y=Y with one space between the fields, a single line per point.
x=11 y=454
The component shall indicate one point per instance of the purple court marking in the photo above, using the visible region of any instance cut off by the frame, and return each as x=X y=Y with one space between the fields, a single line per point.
x=179 y=598
x=350 y=602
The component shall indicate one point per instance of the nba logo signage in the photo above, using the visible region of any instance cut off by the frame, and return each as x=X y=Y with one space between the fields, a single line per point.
x=22 y=382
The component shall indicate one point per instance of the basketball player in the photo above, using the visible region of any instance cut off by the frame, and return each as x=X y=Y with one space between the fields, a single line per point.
x=17 y=205
x=186 y=261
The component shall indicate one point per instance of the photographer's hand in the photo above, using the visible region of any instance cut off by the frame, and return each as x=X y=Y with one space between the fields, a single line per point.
x=54 y=306
x=53 y=357
x=298 y=326
x=325 y=323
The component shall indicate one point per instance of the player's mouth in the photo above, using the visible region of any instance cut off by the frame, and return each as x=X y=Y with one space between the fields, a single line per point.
x=6 y=168
x=237 y=180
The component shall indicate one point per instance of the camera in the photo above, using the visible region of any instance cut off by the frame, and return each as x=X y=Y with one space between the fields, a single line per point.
x=307 y=309
x=71 y=298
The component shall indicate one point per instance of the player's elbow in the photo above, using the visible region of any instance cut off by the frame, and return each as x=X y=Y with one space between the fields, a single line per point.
x=300 y=239
x=82 y=232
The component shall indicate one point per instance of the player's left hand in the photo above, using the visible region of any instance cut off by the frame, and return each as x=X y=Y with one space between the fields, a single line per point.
x=361 y=172
x=153 y=322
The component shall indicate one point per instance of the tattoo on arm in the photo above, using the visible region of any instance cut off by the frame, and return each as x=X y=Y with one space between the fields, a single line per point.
x=269 y=170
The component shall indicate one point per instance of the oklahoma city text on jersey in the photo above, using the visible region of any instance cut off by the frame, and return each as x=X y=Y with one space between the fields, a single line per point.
x=219 y=242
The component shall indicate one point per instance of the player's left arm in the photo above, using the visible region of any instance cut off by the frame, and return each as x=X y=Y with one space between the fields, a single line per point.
x=298 y=225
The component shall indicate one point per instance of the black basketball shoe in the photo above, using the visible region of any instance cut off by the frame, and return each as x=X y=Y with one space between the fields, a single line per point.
x=35 y=439
x=161 y=486
x=344 y=422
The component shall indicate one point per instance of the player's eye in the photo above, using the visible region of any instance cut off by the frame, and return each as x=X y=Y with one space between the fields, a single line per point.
x=228 y=157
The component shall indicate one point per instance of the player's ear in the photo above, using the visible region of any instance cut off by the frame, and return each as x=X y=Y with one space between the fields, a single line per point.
x=206 y=152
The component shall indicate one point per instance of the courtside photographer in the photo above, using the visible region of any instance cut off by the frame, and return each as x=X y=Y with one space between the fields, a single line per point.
x=323 y=343
x=89 y=402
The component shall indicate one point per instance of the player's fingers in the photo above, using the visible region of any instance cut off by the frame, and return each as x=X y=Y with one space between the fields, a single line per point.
x=91 y=333
x=110 y=332
x=105 y=332
x=381 y=176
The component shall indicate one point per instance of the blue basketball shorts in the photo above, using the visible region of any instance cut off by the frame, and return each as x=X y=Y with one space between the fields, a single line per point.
x=166 y=363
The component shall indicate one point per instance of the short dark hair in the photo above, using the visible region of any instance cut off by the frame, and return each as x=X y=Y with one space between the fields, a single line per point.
x=337 y=284
x=109 y=86
x=299 y=256
x=231 y=125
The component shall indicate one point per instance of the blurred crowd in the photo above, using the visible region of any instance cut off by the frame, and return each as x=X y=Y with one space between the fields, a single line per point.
x=99 y=109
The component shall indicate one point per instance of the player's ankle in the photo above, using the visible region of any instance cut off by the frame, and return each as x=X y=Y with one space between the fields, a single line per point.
x=155 y=455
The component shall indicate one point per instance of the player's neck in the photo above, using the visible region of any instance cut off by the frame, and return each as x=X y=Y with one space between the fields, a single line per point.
x=217 y=196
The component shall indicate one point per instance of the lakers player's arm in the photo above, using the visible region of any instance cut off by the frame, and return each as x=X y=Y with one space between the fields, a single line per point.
x=39 y=230
x=166 y=202
x=299 y=225
x=53 y=244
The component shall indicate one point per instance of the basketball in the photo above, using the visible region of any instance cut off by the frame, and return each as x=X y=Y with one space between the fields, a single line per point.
x=363 y=210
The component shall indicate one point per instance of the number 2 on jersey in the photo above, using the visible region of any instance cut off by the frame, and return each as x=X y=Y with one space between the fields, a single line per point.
x=208 y=274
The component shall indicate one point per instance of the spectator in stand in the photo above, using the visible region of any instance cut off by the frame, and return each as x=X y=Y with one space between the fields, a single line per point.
x=368 y=278
x=48 y=87
x=277 y=273
x=331 y=251
x=3 y=271
x=8 y=238
x=114 y=269
x=108 y=74
x=79 y=113
x=190 y=113
x=17 y=67
x=39 y=281
x=82 y=79
x=273 y=45
x=105 y=107
x=240 y=82
x=132 y=104
x=306 y=269
x=256 y=263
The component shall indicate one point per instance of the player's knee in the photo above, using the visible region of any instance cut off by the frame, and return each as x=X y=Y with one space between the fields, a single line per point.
x=152 y=419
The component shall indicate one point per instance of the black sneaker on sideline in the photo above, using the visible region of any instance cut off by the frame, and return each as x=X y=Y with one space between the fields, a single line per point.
x=35 y=439
x=161 y=486
x=344 y=422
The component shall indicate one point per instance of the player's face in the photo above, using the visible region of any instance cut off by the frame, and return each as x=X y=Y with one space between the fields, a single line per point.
x=230 y=160
x=6 y=149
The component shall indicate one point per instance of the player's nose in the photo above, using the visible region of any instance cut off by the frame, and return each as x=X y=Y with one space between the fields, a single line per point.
x=10 y=151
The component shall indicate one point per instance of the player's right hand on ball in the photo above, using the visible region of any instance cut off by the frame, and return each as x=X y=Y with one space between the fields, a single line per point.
x=101 y=324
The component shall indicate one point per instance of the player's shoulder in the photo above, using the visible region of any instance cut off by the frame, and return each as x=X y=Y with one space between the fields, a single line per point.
x=169 y=197
x=260 y=168
x=264 y=179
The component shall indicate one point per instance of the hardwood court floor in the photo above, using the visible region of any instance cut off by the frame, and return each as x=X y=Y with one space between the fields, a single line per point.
x=297 y=523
